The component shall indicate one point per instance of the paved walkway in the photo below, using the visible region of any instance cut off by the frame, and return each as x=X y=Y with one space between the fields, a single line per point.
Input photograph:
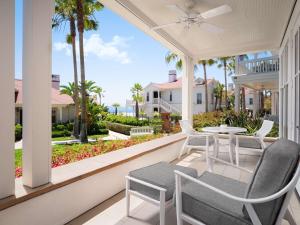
x=111 y=136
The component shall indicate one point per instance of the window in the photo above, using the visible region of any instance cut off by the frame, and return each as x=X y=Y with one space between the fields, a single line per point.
x=147 y=97
x=171 y=96
x=155 y=109
x=199 y=98
x=250 y=101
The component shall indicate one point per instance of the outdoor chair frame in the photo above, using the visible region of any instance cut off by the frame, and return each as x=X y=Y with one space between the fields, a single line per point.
x=248 y=202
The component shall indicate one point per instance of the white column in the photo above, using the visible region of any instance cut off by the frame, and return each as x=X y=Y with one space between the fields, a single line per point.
x=237 y=98
x=60 y=109
x=274 y=103
x=7 y=97
x=37 y=40
x=255 y=102
x=187 y=88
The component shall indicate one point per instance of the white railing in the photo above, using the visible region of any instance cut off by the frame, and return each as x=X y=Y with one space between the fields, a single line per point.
x=168 y=107
x=155 y=101
x=264 y=65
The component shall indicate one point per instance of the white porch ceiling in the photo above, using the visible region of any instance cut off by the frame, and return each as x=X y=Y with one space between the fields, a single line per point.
x=253 y=25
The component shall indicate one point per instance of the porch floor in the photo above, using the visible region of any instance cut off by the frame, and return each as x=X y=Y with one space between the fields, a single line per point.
x=112 y=211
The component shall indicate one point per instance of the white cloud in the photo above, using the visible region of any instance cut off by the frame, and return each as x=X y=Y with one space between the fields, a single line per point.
x=94 y=45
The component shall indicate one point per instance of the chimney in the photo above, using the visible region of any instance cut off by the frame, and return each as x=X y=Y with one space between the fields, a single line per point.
x=55 y=81
x=172 y=76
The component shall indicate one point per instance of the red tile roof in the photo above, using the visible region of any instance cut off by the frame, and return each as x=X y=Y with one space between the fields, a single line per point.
x=175 y=84
x=56 y=97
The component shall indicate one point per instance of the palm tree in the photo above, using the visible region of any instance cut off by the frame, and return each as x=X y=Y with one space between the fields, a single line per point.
x=136 y=91
x=116 y=106
x=65 y=13
x=99 y=91
x=172 y=57
x=226 y=63
x=85 y=20
x=218 y=92
x=204 y=63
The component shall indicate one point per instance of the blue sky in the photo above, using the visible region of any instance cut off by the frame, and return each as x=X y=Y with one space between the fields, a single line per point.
x=117 y=56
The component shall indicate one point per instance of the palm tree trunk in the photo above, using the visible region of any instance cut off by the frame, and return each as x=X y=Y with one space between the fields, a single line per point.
x=206 y=91
x=221 y=98
x=225 y=76
x=137 y=109
x=76 y=97
x=80 y=26
x=216 y=102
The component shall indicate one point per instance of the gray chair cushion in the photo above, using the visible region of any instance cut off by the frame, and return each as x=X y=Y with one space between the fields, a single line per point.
x=200 y=141
x=160 y=174
x=273 y=172
x=248 y=142
x=211 y=208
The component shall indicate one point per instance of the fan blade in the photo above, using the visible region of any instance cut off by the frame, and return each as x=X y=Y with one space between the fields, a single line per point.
x=216 y=11
x=211 y=28
x=165 y=25
x=178 y=10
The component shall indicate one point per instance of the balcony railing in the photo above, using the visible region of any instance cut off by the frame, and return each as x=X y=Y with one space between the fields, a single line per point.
x=155 y=101
x=264 y=65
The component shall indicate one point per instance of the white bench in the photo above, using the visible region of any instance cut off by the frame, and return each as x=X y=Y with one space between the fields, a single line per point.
x=138 y=131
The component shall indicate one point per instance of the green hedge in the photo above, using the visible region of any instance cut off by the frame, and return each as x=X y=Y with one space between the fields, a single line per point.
x=126 y=120
x=98 y=128
x=120 y=128
x=61 y=133
x=18 y=132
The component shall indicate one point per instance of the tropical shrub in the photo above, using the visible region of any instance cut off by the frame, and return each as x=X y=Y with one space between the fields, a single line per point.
x=156 y=124
x=175 y=117
x=18 y=132
x=120 y=128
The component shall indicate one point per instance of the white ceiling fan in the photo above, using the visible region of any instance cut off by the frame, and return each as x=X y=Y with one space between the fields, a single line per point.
x=191 y=17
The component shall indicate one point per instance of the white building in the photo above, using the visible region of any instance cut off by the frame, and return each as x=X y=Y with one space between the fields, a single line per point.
x=257 y=75
x=167 y=97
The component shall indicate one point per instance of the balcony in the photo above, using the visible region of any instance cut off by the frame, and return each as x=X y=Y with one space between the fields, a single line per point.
x=254 y=66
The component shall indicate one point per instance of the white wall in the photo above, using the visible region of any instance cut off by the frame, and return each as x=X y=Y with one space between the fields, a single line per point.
x=177 y=98
x=289 y=79
x=63 y=204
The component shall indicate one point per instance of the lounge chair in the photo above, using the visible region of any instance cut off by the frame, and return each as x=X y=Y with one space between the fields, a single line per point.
x=195 y=140
x=217 y=200
x=255 y=142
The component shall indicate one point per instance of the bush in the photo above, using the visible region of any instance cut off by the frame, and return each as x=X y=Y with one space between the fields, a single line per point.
x=61 y=133
x=18 y=132
x=97 y=128
x=127 y=120
x=120 y=128
x=242 y=119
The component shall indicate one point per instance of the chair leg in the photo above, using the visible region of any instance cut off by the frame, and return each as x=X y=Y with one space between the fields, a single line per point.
x=230 y=154
x=237 y=155
x=162 y=210
x=182 y=148
x=127 y=198
x=208 y=160
x=289 y=217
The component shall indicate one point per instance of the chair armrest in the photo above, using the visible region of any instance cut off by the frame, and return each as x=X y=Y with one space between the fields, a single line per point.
x=145 y=183
x=283 y=191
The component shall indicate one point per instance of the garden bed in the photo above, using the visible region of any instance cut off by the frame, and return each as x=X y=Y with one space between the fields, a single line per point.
x=65 y=154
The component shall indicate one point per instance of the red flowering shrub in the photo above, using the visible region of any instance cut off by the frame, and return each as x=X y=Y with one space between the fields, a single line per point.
x=64 y=154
